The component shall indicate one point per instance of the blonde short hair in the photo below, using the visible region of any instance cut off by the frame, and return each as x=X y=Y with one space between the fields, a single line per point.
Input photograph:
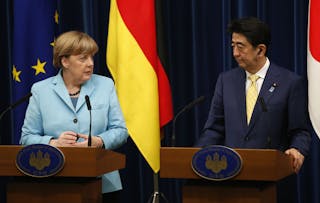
x=73 y=43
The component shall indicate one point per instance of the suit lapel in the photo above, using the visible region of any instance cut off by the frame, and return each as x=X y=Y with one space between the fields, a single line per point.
x=269 y=84
x=241 y=96
x=86 y=89
x=61 y=90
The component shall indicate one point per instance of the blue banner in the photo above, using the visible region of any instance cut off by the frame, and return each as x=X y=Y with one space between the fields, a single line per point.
x=35 y=28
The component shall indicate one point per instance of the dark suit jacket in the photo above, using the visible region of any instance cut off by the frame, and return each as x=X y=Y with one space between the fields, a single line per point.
x=280 y=118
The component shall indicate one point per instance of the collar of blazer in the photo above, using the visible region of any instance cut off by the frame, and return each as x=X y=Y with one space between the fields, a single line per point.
x=61 y=90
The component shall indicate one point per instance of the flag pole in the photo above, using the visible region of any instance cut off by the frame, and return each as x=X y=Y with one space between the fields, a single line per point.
x=155 y=197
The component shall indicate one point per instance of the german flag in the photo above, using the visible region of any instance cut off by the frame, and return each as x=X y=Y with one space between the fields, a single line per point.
x=141 y=82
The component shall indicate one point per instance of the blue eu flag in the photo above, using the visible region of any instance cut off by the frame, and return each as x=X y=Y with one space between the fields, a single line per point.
x=35 y=28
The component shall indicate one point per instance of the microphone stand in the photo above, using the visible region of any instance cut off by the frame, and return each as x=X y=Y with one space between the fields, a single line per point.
x=89 y=136
x=184 y=109
x=12 y=106
x=89 y=109
x=4 y=112
x=173 y=135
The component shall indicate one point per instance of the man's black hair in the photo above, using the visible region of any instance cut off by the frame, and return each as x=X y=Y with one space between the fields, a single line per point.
x=256 y=31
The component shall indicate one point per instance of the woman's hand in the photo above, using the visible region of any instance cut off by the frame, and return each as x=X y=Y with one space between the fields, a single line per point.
x=66 y=139
x=96 y=141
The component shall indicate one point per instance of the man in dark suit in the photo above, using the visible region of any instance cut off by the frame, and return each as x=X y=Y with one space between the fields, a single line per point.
x=279 y=118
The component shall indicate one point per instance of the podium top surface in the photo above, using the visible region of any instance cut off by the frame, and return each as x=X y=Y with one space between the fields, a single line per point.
x=79 y=162
x=258 y=164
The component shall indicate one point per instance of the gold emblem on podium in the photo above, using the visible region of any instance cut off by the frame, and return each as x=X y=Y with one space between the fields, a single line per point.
x=39 y=161
x=216 y=163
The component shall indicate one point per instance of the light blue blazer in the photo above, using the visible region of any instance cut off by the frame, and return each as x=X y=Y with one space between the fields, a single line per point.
x=51 y=112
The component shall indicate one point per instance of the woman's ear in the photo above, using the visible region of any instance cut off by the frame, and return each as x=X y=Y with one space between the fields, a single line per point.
x=64 y=62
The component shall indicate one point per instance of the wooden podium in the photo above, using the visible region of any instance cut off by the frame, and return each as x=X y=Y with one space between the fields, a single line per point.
x=77 y=182
x=256 y=182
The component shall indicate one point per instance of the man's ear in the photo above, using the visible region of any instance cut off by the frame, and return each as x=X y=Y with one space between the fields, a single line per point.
x=261 y=50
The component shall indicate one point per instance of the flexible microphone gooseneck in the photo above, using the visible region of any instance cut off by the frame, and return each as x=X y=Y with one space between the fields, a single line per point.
x=89 y=109
x=184 y=109
x=12 y=106
x=265 y=110
x=263 y=104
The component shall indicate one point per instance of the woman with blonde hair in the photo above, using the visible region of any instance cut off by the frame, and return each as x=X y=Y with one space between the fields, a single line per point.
x=57 y=113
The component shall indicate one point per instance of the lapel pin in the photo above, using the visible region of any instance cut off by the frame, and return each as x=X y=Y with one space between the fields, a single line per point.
x=273 y=86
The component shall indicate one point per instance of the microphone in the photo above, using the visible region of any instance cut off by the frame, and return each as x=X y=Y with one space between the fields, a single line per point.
x=264 y=109
x=184 y=109
x=12 y=106
x=89 y=109
x=263 y=104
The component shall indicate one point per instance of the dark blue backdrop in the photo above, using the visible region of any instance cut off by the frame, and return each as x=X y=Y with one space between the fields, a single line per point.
x=198 y=49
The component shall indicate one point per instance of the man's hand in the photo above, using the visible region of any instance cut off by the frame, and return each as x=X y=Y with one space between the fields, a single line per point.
x=297 y=158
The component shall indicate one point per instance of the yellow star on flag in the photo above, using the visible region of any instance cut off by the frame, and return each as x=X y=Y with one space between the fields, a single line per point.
x=56 y=17
x=16 y=74
x=39 y=67
x=52 y=43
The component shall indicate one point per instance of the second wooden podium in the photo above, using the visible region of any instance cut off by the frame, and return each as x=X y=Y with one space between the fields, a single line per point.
x=256 y=182
x=77 y=182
